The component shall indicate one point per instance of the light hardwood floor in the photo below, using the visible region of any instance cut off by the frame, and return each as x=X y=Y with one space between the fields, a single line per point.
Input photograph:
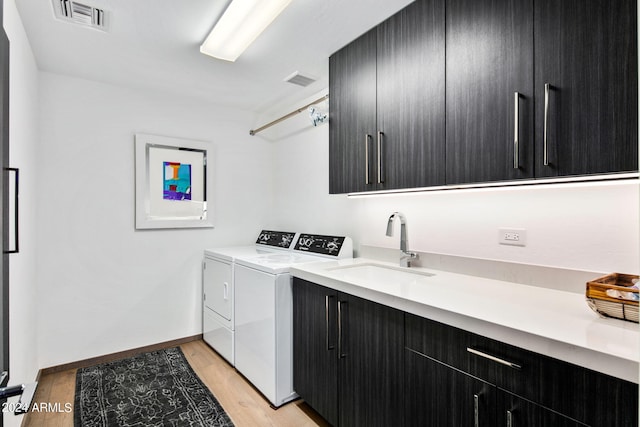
x=244 y=404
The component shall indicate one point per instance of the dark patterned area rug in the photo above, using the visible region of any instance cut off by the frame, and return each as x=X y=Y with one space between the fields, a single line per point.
x=158 y=388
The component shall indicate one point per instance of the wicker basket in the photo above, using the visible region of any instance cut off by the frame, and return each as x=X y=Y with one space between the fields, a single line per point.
x=607 y=306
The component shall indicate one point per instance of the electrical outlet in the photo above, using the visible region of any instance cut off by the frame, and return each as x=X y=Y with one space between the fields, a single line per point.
x=512 y=236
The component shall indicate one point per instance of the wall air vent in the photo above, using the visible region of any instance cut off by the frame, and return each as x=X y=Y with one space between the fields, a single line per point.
x=299 y=79
x=79 y=13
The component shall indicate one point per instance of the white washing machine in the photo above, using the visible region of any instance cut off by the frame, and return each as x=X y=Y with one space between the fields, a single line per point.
x=264 y=312
x=218 y=325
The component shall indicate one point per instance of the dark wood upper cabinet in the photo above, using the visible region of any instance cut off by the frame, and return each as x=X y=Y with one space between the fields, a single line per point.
x=411 y=97
x=387 y=104
x=473 y=91
x=352 y=121
x=489 y=60
x=586 y=52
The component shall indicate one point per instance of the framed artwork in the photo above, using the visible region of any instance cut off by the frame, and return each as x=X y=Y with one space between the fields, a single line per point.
x=171 y=183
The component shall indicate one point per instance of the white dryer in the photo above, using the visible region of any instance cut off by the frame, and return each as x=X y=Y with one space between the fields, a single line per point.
x=264 y=312
x=218 y=320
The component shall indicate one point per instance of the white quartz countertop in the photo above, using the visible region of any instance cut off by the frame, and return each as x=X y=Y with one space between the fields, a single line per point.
x=547 y=321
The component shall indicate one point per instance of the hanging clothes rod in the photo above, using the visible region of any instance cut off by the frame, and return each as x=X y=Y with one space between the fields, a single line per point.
x=291 y=114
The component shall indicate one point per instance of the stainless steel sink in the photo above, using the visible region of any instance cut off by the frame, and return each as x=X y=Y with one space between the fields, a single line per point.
x=379 y=273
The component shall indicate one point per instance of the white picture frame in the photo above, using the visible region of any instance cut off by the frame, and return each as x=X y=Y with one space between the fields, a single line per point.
x=172 y=183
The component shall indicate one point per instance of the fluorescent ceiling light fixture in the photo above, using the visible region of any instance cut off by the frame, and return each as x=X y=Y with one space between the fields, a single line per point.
x=239 y=26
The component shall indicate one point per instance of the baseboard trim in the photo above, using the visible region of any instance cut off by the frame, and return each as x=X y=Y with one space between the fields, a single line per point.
x=115 y=356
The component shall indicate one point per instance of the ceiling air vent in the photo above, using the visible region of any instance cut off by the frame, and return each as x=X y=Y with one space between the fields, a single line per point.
x=79 y=13
x=299 y=79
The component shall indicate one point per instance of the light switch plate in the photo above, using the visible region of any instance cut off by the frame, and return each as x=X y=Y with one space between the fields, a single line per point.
x=512 y=236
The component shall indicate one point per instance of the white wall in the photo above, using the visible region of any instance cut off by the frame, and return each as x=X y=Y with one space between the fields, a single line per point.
x=103 y=286
x=301 y=196
x=590 y=227
x=586 y=227
x=23 y=145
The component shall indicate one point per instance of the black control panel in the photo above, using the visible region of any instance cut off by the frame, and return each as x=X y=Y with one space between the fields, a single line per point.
x=279 y=239
x=317 y=244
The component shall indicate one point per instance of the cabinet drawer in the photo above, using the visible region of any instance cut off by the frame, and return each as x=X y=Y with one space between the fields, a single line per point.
x=509 y=368
x=588 y=396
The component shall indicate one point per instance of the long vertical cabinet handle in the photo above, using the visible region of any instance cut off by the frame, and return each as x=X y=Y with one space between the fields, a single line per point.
x=547 y=88
x=516 y=130
x=380 y=167
x=367 y=137
x=476 y=410
x=341 y=354
x=509 y=419
x=327 y=302
x=16 y=211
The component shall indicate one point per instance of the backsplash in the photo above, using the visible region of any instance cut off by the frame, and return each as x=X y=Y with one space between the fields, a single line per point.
x=576 y=226
x=526 y=274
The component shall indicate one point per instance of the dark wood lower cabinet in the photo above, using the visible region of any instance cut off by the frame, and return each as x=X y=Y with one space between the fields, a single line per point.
x=514 y=411
x=347 y=356
x=315 y=360
x=360 y=363
x=541 y=392
x=370 y=363
x=583 y=394
x=438 y=395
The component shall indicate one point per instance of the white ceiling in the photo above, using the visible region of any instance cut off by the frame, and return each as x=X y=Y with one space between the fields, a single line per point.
x=154 y=44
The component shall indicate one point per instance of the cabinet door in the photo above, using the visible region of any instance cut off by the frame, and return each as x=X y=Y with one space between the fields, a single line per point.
x=586 y=51
x=489 y=59
x=4 y=197
x=410 y=135
x=513 y=411
x=315 y=361
x=438 y=395
x=370 y=345
x=352 y=122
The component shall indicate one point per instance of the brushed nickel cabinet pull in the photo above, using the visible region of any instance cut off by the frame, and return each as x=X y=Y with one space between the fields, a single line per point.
x=516 y=130
x=547 y=88
x=476 y=410
x=380 y=169
x=341 y=354
x=327 y=299
x=509 y=419
x=494 y=359
x=367 y=181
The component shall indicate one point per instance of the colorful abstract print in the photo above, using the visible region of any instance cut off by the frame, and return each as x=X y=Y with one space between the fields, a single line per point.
x=176 y=180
